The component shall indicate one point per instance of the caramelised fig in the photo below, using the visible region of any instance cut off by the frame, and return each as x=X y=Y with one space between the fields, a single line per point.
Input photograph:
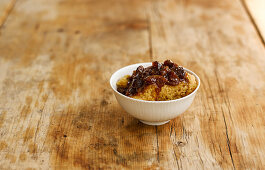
x=180 y=72
x=158 y=74
x=140 y=69
x=156 y=79
x=168 y=63
x=173 y=78
x=156 y=65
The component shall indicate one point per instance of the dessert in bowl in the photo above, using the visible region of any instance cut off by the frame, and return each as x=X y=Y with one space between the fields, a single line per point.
x=154 y=92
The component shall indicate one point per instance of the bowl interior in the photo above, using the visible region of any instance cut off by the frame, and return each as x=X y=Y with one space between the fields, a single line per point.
x=128 y=70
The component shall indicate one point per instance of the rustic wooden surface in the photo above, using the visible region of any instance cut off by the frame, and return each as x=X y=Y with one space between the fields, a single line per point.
x=256 y=8
x=57 y=109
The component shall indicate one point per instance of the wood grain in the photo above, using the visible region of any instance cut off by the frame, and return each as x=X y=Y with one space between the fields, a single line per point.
x=230 y=104
x=57 y=109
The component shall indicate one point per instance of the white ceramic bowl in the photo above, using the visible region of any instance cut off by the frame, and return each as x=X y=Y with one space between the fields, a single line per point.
x=151 y=112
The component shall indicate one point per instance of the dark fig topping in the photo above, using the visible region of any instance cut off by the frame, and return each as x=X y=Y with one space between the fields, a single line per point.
x=168 y=63
x=140 y=69
x=156 y=79
x=122 y=90
x=173 y=77
x=180 y=72
x=159 y=74
x=156 y=65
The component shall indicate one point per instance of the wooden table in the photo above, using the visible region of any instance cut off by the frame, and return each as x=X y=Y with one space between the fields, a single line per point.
x=57 y=110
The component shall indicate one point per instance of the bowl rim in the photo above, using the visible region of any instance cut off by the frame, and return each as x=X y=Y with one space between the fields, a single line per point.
x=158 y=102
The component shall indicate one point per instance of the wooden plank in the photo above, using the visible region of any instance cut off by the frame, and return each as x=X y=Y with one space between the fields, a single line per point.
x=225 y=126
x=57 y=109
x=256 y=10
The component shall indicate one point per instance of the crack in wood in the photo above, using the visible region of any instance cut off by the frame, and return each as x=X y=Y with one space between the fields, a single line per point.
x=200 y=159
x=221 y=90
x=176 y=157
x=226 y=130
x=228 y=142
x=225 y=97
x=228 y=106
x=184 y=135
x=157 y=146
x=170 y=133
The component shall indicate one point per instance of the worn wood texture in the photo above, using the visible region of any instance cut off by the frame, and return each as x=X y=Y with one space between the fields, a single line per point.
x=226 y=122
x=58 y=111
